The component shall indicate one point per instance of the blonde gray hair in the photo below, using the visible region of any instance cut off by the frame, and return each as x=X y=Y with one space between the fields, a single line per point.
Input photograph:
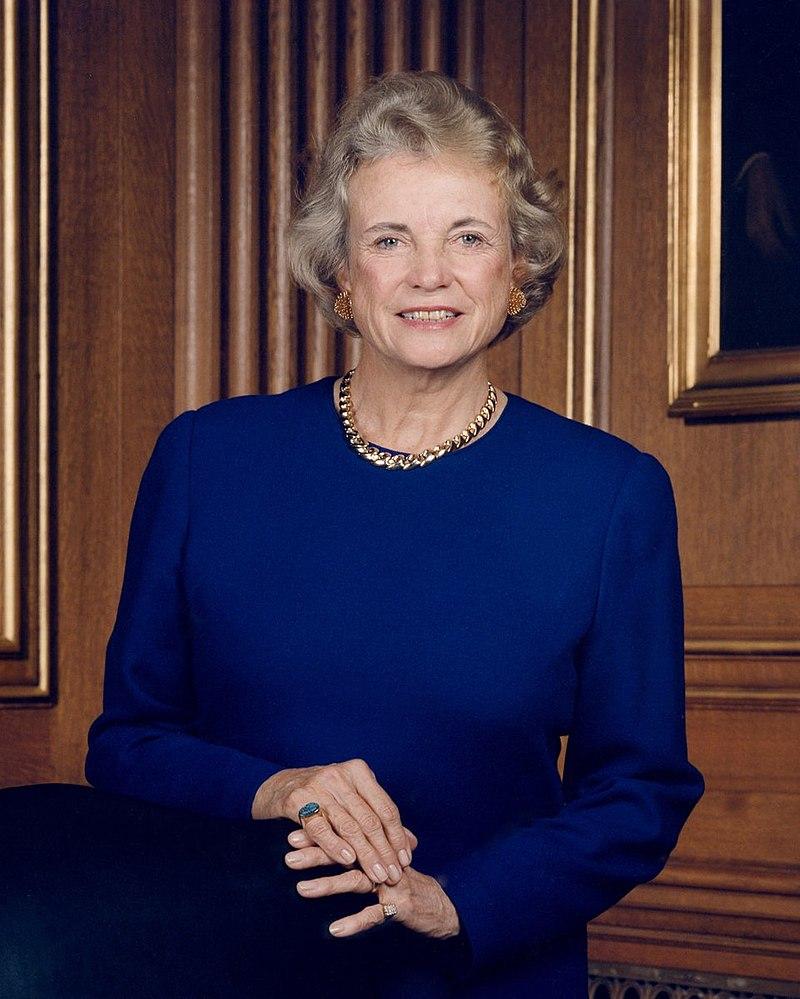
x=427 y=114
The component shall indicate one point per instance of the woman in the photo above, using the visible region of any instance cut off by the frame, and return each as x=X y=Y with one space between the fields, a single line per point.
x=371 y=605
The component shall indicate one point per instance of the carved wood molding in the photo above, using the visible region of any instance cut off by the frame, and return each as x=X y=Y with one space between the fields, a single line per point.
x=741 y=683
x=27 y=553
x=621 y=981
x=743 y=620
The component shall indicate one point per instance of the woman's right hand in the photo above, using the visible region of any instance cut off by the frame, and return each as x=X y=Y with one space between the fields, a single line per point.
x=357 y=821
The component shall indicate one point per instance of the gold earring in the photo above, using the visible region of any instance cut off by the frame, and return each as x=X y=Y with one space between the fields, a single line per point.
x=516 y=301
x=342 y=306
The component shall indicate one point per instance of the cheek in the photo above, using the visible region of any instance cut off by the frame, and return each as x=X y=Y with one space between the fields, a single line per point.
x=372 y=279
x=490 y=281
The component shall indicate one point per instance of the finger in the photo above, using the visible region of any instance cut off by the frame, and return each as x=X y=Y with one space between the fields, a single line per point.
x=364 y=832
x=359 y=921
x=384 y=808
x=309 y=856
x=318 y=828
x=300 y=838
x=354 y=880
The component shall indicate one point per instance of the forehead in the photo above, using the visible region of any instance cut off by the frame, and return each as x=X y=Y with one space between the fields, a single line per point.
x=403 y=187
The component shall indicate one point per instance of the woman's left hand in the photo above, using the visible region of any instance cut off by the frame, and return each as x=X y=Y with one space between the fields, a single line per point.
x=422 y=904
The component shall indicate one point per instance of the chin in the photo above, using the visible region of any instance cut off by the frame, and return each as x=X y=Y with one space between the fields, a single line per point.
x=432 y=356
x=431 y=360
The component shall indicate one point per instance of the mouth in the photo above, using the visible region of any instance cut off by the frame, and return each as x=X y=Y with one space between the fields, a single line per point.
x=430 y=317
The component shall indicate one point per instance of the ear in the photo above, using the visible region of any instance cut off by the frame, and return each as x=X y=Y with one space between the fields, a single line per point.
x=343 y=278
x=517 y=269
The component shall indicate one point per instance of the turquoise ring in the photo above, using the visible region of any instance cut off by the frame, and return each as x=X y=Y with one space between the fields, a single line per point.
x=309 y=809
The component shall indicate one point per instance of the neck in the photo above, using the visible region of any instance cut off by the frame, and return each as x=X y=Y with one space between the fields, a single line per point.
x=410 y=409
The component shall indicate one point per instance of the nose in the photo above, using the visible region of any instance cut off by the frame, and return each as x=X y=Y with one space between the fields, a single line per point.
x=428 y=268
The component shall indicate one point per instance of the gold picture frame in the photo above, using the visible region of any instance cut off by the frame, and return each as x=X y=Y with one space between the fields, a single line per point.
x=703 y=379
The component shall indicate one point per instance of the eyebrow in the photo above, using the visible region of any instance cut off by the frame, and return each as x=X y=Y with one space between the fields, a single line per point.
x=399 y=227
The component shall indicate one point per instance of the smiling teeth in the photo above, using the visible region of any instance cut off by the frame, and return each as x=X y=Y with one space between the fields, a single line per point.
x=436 y=316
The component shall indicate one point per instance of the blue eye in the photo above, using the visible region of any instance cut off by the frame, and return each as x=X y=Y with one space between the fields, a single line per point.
x=471 y=235
x=385 y=239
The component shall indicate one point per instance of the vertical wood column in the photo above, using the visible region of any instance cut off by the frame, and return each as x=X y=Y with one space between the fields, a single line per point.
x=359 y=66
x=243 y=313
x=468 y=54
x=281 y=332
x=395 y=35
x=431 y=35
x=197 y=196
x=320 y=42
x=503 y=72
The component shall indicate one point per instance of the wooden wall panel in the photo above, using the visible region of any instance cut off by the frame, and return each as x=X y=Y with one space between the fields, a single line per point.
x=113 y=275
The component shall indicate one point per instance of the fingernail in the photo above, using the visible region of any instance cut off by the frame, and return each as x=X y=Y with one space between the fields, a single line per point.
x=292 y=858
x=380 y=871
x=394 y=871
x=305 y=885
x=295 y=838
x=336 y=928
x=405 y=860
x=348 y=856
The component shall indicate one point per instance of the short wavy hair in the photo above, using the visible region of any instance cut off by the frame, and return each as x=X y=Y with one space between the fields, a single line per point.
x=427 y=114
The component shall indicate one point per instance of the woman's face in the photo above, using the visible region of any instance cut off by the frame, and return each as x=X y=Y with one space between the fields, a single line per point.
x=427 y=234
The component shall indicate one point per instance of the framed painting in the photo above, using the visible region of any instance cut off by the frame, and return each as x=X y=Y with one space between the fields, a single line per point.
x=734 y=197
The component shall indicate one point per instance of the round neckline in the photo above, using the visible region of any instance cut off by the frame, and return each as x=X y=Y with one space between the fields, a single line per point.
x=501 y=422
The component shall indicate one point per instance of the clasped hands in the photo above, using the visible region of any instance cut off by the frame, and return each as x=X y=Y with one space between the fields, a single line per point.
x=358 y=827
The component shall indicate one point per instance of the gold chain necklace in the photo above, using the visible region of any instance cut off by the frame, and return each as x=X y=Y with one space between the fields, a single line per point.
x=385 y=460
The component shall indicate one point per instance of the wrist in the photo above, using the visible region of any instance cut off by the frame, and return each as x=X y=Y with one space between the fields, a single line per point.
x=455 y=925
x=450 y=917
x=267 y=803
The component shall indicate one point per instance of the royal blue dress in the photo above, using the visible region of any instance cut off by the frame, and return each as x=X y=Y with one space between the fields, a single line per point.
x=286 y=603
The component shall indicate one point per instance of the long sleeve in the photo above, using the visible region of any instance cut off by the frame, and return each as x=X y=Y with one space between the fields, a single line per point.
x=628 y=786
x=142 y=744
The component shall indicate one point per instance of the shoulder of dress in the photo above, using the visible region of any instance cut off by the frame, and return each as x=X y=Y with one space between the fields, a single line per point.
x=240 y=411
x=574 y=441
